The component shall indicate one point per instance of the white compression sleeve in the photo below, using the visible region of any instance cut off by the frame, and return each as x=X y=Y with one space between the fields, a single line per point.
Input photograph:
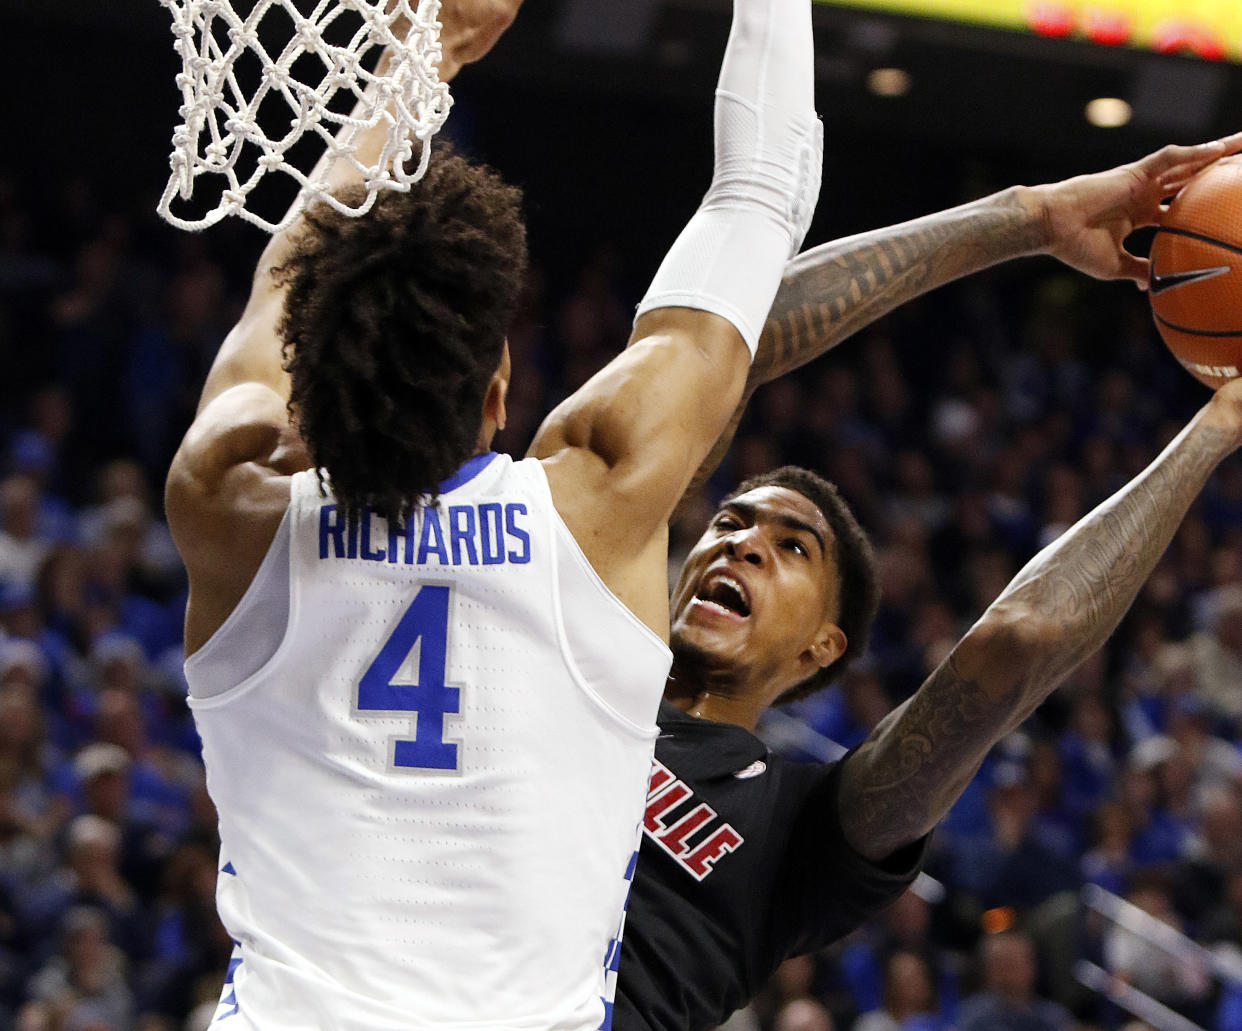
x=769 y=156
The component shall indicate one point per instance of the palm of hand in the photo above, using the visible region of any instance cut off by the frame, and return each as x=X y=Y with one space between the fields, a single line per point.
x=1091 y=216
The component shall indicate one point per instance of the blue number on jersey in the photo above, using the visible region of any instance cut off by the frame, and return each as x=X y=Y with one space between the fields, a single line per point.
x=425 y=621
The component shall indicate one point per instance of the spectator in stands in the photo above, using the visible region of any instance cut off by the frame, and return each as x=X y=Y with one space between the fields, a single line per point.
x=122 y=493
x=1010 y=865
x=1110 y=862
x=1179 y=979
x=103 y=775
x=1211 y=760
x=31 y=813
x=1158 y=836
x=112 y=576
x=60 y=592
x=91 y=876
x=33 y=456
x=190 y=946
x=1056 y=825
x=1217 y=654
x=803 y=1015
x=84 y=984
x=162 y=778
x=1008 y=1001
x=1175 y=780
x=21 y=546
x=905 y=927
x=1087 y=760
x=909 y=998
x=1202 y=874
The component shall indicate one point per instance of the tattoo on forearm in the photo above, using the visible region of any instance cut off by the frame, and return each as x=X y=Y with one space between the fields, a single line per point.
x=915 y=764
x=833 y=291
x=905 y=777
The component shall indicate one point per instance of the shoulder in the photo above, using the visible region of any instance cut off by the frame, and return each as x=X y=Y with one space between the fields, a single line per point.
x=232 y=465
x=247 y=422
x=227 y=490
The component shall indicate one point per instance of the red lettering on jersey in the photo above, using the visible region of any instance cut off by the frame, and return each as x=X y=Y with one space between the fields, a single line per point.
x=663 y=804
x=674 y=839
x=665 y=792
x=661 y=777
x=701 y=861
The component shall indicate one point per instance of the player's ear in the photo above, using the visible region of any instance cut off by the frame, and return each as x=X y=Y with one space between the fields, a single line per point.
x=498 y=391
x=829 y=645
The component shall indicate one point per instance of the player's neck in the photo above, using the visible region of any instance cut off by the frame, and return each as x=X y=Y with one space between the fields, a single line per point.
x=720 y=705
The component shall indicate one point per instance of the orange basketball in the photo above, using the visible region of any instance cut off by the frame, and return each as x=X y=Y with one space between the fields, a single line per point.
x=1196 y=274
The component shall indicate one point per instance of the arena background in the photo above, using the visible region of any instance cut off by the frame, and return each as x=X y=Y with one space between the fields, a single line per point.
x=966 y=428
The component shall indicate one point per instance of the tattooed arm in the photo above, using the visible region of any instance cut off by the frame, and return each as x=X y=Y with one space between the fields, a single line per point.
x=831 y=292
x=1058 y=610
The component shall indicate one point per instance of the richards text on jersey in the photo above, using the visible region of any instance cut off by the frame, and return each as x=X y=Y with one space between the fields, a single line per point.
x=486 y=534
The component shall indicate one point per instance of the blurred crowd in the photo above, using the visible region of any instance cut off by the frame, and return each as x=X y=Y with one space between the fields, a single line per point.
x=967 y=430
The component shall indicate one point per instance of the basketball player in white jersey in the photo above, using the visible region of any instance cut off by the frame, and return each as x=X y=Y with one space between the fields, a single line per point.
x=425 y=675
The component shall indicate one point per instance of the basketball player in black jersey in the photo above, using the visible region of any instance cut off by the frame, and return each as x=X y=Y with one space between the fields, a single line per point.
x=748 y=859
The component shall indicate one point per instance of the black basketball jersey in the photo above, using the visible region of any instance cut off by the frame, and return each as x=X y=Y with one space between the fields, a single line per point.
x=743 y=864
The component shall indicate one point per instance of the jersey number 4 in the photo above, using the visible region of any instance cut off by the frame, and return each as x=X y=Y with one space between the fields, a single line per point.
x=383 y=687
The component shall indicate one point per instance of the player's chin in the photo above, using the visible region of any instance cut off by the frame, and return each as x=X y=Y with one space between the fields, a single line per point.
x=711 y=632
x=702 y=654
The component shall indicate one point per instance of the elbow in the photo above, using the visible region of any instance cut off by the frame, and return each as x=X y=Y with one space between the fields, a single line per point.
x=1010 y=641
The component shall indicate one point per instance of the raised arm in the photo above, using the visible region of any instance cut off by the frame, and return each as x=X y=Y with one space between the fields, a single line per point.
x=620 y=451
x=1058 y=610
x=832 y=291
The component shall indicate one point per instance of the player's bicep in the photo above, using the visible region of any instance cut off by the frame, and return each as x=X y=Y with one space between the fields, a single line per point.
x=241 y=429
x=653 y=413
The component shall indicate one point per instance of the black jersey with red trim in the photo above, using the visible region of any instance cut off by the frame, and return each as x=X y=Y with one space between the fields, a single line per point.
x=743 y=864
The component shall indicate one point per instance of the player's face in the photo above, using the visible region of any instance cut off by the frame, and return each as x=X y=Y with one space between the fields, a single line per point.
x=754 y=593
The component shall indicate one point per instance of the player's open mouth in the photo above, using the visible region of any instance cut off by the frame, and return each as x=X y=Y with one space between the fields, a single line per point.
x=725 y=594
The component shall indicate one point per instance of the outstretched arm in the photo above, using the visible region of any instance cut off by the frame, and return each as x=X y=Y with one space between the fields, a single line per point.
x=832 y=291
x=620 y=452
x=1058 y=610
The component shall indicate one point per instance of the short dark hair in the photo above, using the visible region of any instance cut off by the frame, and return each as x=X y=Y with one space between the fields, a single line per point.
x=394 y=323
x=858 y=592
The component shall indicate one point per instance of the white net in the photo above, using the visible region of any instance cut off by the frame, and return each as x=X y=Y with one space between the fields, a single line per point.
x=254 y=85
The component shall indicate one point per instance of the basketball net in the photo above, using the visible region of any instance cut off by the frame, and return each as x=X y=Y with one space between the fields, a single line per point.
x=220 y=134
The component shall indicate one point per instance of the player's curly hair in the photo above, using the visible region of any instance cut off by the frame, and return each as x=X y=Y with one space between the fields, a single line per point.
x=858 y=590
x=393 y=325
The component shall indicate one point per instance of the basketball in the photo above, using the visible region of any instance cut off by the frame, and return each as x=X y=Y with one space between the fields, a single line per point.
x=1196 y=274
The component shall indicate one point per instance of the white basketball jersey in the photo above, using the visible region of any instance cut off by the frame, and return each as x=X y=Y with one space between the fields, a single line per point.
x=430 y=786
